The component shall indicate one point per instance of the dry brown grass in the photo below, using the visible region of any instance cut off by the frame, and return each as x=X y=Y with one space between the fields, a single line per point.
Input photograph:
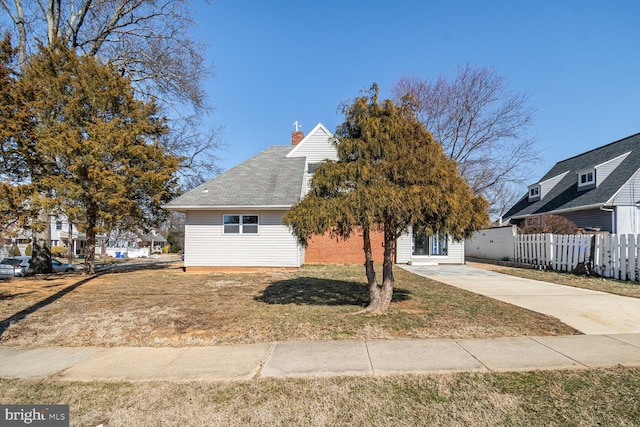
x=556 y=398
x=163 y=306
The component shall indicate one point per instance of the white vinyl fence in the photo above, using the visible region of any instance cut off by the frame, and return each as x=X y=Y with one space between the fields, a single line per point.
x=614 y=255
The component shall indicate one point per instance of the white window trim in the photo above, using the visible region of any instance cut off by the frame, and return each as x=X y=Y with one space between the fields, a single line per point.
x=241 y=225
x=586 y=173
x=534 y=197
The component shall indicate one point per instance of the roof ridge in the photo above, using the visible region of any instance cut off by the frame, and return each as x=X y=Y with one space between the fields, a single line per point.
x=598 y=148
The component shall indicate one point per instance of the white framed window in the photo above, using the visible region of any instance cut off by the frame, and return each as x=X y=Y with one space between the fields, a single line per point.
x=586 y=178
x=534 y=192
x=430 y=244
x=240 y=224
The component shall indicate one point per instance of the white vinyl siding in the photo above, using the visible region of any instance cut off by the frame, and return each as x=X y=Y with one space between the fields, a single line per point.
x=316 y=147
x=206 y=245
x=403 y=248
x=627 y=220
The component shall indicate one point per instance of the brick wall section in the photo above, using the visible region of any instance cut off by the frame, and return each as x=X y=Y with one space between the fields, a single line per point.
x=326 y=250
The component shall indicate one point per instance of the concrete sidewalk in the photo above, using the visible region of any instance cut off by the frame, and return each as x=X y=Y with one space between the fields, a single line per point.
x=321 y=358
x=590 y=312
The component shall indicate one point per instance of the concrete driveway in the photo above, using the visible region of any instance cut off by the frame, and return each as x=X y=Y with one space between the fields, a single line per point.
x=590 y=312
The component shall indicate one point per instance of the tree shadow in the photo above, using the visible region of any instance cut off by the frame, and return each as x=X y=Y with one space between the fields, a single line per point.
x=315 y=291
x=5 y=296
x=127 y=268
x=6 y=323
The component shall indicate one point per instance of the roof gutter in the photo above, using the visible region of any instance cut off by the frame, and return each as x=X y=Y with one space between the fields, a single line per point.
x=183 y=208
x=562 y=211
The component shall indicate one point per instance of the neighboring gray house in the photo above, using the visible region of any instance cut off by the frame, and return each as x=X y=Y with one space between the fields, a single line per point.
x=235 y=219
x=596 y=189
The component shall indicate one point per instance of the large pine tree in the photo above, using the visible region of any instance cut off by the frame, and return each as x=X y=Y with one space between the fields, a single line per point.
x=391 y=175
x=93 y=146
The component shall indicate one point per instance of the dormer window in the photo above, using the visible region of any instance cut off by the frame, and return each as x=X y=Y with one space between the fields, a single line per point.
x=586 y=179
x=534 y=192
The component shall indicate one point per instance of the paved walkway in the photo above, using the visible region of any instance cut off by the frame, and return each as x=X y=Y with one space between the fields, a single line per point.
x=590 y=312
x=612 y=325
x=321 y=358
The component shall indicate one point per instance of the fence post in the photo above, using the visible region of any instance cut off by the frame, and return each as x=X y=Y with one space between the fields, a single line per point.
x=631 y=257
x=636 y=266
x=547 y=250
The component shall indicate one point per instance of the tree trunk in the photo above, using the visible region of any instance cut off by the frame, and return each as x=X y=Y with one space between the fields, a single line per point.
x=90 y=249
x=70 y=244
x=374 y=289
x=387 y=267
x=41 y=248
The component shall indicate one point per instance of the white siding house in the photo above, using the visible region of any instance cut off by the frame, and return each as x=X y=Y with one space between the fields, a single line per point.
x=209 y=245
x=235 y=219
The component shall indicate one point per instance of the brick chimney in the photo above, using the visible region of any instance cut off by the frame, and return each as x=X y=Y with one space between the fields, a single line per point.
x=296 y=137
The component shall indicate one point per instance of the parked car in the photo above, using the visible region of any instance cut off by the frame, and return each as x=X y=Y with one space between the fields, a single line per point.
x=16 y=266
x=62 y=267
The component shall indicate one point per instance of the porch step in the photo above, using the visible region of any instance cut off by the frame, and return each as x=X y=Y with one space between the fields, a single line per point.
x=423 y=263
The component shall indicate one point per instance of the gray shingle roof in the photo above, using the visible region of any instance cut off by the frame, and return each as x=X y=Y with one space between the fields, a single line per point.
x=565 y=194
x=267 y=179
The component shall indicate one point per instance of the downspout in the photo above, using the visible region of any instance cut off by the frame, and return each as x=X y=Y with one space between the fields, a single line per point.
x=613 y=218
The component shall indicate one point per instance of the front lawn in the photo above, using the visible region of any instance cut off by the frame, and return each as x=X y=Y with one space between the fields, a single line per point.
x=163 y=306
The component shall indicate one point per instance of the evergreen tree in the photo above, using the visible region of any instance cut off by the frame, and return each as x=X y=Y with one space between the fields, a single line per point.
x=391 y=175
x=94 y=147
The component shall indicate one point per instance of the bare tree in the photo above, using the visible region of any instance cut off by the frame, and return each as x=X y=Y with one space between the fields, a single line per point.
x=481 y=125
x=198 y=147
x=148 y=41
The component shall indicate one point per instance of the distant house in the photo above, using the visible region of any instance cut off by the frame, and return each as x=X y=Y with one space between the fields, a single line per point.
x=235 y=219
x=598 y=189
x=63 y=234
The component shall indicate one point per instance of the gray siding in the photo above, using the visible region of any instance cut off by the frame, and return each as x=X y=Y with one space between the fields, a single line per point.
x=546 y=186
x=592 y=218
x=629 y=194
x=207 y=246
x=604 y=170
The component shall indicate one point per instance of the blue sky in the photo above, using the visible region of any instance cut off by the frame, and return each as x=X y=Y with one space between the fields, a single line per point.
x=281 y=61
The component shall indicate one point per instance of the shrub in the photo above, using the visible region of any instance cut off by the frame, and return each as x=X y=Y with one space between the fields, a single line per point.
x=59 y=251
x=28 y=250
x=14 y=251
x=554 y=224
